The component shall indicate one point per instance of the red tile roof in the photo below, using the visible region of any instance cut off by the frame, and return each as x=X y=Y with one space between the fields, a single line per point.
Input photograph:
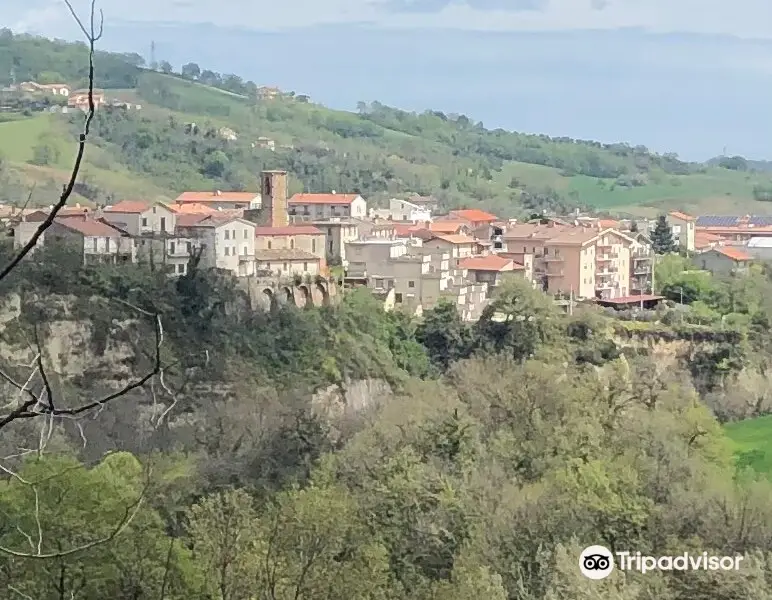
x=199 y=197
x=129 y=207
x=733 y=253
x=291 y=230
x=67 y=211
x=323 y=198
x=474 y=215
x=190 y=208
x=455 y=239
x=89 y=227
x=683 y=216
x=489 y=263
x=442 y=226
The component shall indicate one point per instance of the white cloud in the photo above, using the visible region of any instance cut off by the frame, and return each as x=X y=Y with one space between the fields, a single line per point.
x=744 y=18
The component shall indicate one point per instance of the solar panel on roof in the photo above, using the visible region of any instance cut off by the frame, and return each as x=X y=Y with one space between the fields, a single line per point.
x=761 y=220
x=716 y=221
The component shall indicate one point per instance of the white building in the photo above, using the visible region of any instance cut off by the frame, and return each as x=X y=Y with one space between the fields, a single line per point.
x=403 y=211
x=324 y=206
x=226 y=242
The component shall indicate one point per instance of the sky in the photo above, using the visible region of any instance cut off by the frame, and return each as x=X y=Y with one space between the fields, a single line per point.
x=689 y=76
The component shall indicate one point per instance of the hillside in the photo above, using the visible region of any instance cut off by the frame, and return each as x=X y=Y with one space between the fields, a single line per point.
x=377 y=151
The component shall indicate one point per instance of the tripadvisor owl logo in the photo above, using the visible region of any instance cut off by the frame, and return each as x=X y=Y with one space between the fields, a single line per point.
x=596 y=562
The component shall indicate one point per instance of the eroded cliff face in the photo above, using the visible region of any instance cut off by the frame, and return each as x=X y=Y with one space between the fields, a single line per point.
x=73 y=347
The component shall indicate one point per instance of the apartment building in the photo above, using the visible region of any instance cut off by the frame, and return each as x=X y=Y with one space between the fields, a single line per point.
x=575 y=260
x=296 y=249
x=458 y=246
x=96 y=240
x=414 y=277
x=641 y=264
x=492 y=269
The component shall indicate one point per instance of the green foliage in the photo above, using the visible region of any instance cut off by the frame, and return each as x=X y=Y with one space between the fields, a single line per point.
x=662 y=241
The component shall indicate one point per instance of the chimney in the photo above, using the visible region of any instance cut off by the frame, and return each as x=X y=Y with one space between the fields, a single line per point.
x=218 y=193
x=333 y=191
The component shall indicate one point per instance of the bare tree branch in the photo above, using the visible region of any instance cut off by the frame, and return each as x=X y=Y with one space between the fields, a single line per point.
x=93 y=34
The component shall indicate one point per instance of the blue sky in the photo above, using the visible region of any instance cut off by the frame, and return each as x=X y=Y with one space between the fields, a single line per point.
x=687 y=76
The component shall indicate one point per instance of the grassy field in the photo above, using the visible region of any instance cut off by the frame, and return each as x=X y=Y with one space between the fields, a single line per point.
x=752 y=440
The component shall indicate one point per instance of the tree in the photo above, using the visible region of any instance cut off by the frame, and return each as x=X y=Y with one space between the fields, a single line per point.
x=45 y=153
x=166 y=67
x=190 y=70
x=662 y=241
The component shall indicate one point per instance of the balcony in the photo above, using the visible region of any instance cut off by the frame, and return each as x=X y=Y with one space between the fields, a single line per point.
x=554 y=273
x=641 y=257
x=606 y=272
x=641 y=271
x=606 y=257
x=552 y=258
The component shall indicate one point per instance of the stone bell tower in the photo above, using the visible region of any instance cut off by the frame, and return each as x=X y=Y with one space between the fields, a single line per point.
x=274 y=198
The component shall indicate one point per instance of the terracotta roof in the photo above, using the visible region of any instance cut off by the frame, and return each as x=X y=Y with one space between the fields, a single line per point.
x=285 y=254
x=455 y=239
x=199 y=197
x=67 y=211
x=608 y=223
x=474 y=215
x=489 y=263
x=212 y=220
x=683 y=216
x=703 y=239
x=190 y=208
x=403 y=229
x=129 y=207
x=89 y=227
x=448 y=226
x=733 y=253
x=291 y=230
x=577 y=236
x=323 y=198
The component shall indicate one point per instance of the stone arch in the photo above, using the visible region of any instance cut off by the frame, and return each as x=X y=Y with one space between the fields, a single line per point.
x=289 y=296
x=268 y=298
x=323 y=293
x=306 y=295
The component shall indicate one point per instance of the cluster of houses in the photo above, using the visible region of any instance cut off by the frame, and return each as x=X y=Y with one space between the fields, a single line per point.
x=72 y=99
x=405 y=254
x=722 y=243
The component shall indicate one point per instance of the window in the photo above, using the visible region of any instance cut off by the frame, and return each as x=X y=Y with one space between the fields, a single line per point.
x=154 y=210
x=285 y=266
x=411 y=284
x=107 y=244
x=94 y=242
x=180 y=268
x=227 y=251
x=398 y=298
x=269 y=244
x=244 y=250
x=305 y=267
x=330 y=245
x=378 y=284
x=268 y=266
x=313 y=245
x=163 y=222
x=227 y=234
x=172 y=247
x=246 y=234
x=144 y=221
x=292 y=243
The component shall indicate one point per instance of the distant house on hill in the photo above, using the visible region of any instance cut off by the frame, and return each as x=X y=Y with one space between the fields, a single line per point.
x=56 y=89
x=80 y=99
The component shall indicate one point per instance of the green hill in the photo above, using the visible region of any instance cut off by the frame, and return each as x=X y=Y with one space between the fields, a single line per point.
x=378 y=151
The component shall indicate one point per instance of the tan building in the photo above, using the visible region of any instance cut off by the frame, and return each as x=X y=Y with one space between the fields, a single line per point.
x=154 y=227
x=325 y=206
x=285 y=262
x=307 y=238
x=414 y=277
x=684 y=228
x=224 y=242
x=98 y=241
x=458 y=246
x=492 y=269
x=575 y=260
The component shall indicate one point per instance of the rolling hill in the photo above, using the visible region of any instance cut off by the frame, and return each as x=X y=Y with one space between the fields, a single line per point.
x=378 y=151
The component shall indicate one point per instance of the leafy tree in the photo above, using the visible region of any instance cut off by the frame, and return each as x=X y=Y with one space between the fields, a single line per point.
x=166 y=67
x=190 y=70
x=662 y=241
x=446 y=337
